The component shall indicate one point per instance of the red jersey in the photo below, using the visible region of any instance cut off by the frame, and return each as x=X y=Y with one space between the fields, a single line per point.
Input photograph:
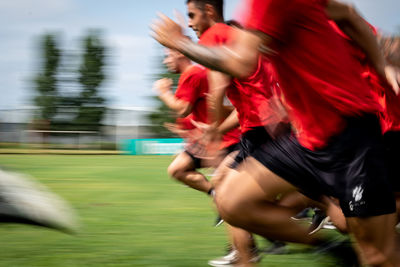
x=392 y=111
x=185 y=123
x=192 y=88
x=390 y=117
x=250 y=96
x=320 y=80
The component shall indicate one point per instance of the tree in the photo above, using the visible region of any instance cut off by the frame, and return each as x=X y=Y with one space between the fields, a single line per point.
x=46 y=81
x=91 y=76
x=163 y=113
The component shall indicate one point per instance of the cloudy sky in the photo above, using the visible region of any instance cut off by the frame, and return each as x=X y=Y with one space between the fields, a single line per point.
x=133 y=53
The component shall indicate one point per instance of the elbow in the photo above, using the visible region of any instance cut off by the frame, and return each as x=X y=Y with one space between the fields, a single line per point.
x=341 y=12
x=183 y=112
x=244 y=70
x=351 y=13
x=351 y=9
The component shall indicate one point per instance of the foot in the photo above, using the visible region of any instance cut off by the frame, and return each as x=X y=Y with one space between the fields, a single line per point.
x=232 y=258
x=318 y=221
x=218 y=221
x=303 y=215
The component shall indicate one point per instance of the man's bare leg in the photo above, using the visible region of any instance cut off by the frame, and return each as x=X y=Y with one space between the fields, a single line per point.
x=295 y=200
x=183 y=170
x=241 y=240
x=246 y=199
x=377 y=239
x=335 y=213
x=222 y=169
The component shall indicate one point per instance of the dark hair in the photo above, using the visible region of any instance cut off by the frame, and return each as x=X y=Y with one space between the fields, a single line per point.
x=234 y=23
x=217 y=4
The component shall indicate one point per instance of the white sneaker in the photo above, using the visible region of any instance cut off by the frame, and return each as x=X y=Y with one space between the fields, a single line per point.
x=329 y=225
x=318 y=221
x=232 y=258
x=24 y=201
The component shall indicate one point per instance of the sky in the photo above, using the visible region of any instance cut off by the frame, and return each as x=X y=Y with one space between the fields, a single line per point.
x=133 y=54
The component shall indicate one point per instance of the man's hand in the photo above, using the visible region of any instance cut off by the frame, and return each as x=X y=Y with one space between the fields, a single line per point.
x=166 y=31
x=176 y=129
x=210 y=137
x=163 y=86
x=393 y=77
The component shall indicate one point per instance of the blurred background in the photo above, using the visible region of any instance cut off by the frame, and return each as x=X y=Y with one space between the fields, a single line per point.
x=79 y=74
x=76 y=97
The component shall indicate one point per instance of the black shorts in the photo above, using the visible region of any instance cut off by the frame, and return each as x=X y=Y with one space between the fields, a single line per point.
x=249 y=141
x=231 y=148
x=392 y=157
x=197 y=161
x=351 y=167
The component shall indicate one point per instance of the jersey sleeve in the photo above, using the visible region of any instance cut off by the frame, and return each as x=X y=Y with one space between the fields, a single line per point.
x=219 y=34
x=191 y=88
x=270 y=17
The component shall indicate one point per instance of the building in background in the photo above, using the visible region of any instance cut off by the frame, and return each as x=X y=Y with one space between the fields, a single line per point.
x=119 y=123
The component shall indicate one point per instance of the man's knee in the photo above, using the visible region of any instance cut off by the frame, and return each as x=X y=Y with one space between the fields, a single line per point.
x=231 y=208
x=181 y=164
x=218 y=178
x=172 y=170
x=175 y=172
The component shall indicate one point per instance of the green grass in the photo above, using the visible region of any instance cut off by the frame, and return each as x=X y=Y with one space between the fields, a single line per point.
x=132 y=215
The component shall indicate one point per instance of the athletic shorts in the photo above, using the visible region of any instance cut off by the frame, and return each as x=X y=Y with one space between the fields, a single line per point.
x=249 y=141
x=197 y=161
x=392 y=156
x=351 y=167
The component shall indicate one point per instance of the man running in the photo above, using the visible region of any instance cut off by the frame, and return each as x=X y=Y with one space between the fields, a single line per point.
x=189 y=99
x=338 y=148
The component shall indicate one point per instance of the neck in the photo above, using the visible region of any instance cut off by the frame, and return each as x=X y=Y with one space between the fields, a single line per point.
x=185 y=65
x=215 y=21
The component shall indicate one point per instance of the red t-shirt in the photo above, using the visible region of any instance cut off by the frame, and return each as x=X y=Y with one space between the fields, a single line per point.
x=250 y=96
x=390 y=117
x=320 y=80
x=220 y=34
x=192 y=88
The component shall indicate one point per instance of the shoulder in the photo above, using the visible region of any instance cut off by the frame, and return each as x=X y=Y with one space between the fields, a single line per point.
x=218 y=34
x=195 y=73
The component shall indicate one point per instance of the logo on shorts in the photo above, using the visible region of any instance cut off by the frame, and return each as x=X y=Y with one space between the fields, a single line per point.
x=357 y=196
x=357 y=193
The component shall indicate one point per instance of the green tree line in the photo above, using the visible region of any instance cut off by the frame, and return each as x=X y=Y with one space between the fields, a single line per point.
x=68 y=95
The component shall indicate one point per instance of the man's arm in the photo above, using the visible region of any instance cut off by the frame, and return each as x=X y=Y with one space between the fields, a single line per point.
x=238 y=60
x=390 y=46
x=355 y=27
x=230 y=123
x=218 y=83
x=181 y=107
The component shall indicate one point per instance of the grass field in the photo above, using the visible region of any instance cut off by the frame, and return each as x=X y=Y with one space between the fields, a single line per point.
x=132 y=215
